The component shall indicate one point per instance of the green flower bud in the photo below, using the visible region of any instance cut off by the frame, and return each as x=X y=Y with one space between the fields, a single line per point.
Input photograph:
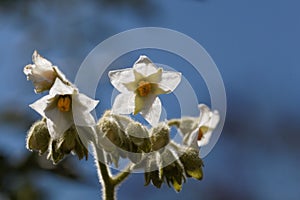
x=139 y=135
x=38 y=137
x=154 y=178
x=80 y=149
x=69 y=142
x=110 y=129
x=160 y=136
x=172 y=172
x=55 y=154
x=152 y=175
x=192 y=163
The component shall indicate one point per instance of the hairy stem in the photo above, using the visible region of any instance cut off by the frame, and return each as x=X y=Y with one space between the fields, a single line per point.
x=108 y=182
x=174 y=122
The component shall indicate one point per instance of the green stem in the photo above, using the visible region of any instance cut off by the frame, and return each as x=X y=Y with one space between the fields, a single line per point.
x=174 y=122
x=108 y=182
x=121 y=176
x=108 y=188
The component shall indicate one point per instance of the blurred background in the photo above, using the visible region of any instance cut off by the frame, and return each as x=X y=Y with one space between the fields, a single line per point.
x=255 y=45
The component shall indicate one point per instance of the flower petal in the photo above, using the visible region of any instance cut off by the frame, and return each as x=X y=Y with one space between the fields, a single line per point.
x=38 y=60
x=157 y=90
x=155 y=77
x=145 y=66
x=60 y=88
x=152 y=113
x=123 y=104
x=139 y=104
x=131 y=86
x=83 y=118
x=87 y=135
x=207 y=117
x=40 y=105
x=119 y=77
x=83 y=103
x=205 y=139
x=210 y=119
x=170 y=80
x=58 y=122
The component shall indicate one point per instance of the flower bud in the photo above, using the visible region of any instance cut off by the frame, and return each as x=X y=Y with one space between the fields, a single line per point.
x=192 y=163
x=153 y=177
x=160 y=136
x=139 y=135
x=70 y=142
x=172 y=170
x=152 y=174
x=38 y=137
x=110 y=128
x=55 y=154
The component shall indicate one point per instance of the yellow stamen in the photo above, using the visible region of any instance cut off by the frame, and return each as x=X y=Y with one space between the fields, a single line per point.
x=144 y=88
x=202 y=131
x=64 y=103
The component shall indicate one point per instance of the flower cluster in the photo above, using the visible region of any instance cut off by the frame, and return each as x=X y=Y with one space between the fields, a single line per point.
x=162 y=159
x=67 y=125
x=62 y=109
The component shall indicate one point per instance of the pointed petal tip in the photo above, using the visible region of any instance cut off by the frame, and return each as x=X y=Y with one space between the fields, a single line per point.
x=143 y=59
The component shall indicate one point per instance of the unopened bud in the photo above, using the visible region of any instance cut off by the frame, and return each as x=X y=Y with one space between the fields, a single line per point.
x=139 y=135
x=70 y=142
x=152 y=174
x=160 y=136
x=38 y=137
x=172 y=170
x=109 y=127
x=192 y=163
x=55 y=154
x=67 y=142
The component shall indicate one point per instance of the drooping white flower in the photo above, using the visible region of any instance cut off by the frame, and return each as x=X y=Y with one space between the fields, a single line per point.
x=63 y=107
x=140 y=86
x=198 y=131
x=42 y=73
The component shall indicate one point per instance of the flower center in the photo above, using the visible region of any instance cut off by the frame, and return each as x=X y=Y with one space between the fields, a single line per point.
x=64 y=103
x=202 y=131
x=144 y=88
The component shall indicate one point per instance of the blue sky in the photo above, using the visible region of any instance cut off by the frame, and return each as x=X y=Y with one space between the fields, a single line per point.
x=255 y=45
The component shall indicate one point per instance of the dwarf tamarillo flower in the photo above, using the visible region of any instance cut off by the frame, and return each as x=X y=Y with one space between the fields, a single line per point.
x=42 y=73
x=140 y=86
x=63 y=107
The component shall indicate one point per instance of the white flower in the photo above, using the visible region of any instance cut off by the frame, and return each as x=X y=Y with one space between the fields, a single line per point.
x=198 y=131
x=63 y=107
x=42 y=73
x=140 y=86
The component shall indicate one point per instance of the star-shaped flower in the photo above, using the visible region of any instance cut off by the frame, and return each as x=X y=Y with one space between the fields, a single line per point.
x=42 y=73
x=140 y=86
x=197 y=131
x=63 y=107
